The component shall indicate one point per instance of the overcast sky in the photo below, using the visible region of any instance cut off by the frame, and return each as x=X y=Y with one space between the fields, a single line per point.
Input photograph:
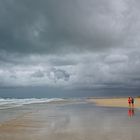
x=72 y=44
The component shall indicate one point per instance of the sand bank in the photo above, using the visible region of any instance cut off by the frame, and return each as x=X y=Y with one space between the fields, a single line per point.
x=114 y=102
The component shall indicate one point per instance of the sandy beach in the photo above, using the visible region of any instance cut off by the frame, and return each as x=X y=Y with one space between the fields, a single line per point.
x=78 y=120
x=114 y=102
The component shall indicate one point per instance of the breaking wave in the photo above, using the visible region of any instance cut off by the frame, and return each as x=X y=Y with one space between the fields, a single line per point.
x=11 y=103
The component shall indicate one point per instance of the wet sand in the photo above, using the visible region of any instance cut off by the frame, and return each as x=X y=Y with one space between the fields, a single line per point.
x=75 y=121
x=114 y=102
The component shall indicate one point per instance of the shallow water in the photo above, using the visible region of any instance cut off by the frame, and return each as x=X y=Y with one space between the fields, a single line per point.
x=85 y=121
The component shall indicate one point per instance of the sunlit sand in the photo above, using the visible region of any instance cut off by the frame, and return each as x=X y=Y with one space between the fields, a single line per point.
x=114 y=102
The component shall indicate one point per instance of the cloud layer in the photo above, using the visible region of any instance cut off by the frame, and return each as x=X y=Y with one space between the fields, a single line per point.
x=70 y=44
x=61 y=26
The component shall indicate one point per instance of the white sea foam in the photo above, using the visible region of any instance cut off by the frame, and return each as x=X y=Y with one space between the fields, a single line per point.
x=11 y=103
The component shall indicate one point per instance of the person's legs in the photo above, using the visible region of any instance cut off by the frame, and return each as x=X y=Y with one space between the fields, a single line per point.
x=133 y=105
x=129 y=104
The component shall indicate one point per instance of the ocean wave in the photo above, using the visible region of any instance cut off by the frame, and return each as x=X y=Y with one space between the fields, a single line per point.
x=11 y=103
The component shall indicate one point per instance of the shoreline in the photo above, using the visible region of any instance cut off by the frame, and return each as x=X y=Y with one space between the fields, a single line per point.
x=64 y=121
x=114 y=102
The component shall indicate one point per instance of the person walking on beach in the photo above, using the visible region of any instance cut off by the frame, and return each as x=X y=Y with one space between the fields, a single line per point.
x=129 y=101
x=132 y=101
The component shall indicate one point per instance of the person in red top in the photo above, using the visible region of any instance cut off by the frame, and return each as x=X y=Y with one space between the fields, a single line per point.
x=129 y=101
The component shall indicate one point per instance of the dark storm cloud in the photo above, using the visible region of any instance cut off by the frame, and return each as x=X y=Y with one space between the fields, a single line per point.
x=61 y=26
x=70 y=43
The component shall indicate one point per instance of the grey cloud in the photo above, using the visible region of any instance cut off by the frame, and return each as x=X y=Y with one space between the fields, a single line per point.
x=116 y=58
x=90 y=71
x=98 y=73
x=70 y=43
x=62 y=61
x=33 y=76
x=38 y=74
x=62 y=26
x=13 y=76
x=59 y=74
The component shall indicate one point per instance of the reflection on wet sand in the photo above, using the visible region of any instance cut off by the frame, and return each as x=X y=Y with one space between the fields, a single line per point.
x=131 y=112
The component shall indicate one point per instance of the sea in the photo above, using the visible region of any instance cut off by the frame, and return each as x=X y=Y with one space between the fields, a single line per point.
x=16 y=97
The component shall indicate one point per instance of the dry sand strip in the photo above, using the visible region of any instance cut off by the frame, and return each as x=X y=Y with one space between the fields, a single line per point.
x=114 y=102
